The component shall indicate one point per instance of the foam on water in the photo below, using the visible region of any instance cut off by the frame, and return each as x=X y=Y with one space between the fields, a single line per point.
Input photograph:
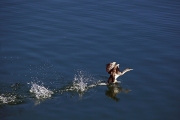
x=81 y=83
x=9 y=98
x=40 y=91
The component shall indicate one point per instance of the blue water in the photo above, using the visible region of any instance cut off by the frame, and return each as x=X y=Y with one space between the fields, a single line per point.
x=63 y=47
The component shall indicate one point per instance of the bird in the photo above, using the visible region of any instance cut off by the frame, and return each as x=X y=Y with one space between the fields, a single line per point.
x=114 y=71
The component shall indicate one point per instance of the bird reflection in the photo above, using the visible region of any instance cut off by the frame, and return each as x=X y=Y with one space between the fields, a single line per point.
x=114 y=89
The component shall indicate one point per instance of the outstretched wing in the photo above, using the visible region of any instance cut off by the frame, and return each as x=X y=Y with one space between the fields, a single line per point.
x=126 y=70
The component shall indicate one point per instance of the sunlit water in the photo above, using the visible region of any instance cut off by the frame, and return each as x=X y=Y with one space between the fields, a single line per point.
x=53 y=56
x=40 y=91
x=80 y=84
x=7 y=99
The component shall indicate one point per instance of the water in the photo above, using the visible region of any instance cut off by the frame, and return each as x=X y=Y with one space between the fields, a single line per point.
x=40 y=91
x=53 y=56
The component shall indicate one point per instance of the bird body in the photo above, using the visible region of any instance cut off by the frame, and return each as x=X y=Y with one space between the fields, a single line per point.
x=114 y=71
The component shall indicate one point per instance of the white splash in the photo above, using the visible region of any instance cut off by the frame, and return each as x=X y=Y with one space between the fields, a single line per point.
x=7 y=99
x=83 y=81
x=40 y=91
x=80 y=83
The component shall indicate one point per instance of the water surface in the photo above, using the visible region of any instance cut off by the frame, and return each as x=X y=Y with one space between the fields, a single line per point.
x=60 y=48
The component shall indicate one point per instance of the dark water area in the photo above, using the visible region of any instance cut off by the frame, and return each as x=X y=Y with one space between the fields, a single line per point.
x=50 y=51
